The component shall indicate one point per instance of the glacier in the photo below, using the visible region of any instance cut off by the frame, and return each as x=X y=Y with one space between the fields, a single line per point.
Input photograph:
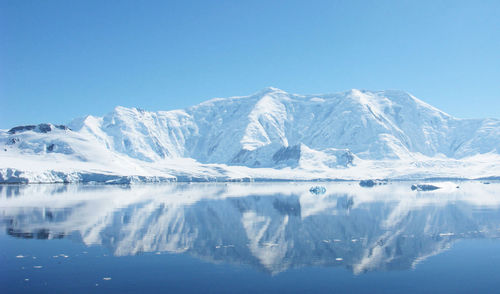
x=270 y=135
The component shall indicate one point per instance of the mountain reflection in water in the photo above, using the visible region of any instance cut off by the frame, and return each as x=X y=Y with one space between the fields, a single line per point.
x=272 y=227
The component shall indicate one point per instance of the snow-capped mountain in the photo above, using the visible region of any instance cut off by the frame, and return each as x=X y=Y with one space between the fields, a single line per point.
x=270 y=129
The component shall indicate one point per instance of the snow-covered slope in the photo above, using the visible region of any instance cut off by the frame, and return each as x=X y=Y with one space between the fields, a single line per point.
x=270 y=129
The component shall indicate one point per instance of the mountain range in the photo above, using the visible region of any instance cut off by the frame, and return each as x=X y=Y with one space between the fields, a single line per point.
x=268 y=135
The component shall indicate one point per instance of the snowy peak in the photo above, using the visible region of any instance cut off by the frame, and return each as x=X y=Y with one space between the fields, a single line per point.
x=266 y=124
x=270 y=91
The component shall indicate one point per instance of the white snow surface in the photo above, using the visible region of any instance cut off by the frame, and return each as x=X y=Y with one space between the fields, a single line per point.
x=269 y=135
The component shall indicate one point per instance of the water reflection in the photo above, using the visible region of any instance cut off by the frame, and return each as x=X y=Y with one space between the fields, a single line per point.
x=273 y=227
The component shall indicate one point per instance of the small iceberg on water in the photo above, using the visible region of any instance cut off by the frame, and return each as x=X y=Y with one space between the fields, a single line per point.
x=317 y=190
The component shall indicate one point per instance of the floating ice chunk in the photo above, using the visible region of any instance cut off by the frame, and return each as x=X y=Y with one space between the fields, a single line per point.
x=446 y=234
x=106 y=278
x=367 y=183
x=339 y=259
x=219 y=246
x=37 y=266
x=26 y=280
x=269 y=244
x=20 y=256
x=424 y=187
x=317 y=190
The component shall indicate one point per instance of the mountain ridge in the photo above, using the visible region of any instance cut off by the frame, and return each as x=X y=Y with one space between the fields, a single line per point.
x=266 y=113
x=273 y=129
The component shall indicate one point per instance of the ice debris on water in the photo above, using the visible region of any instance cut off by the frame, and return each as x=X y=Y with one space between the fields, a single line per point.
x=219 y=246
x=446 y=234
x=367 y=183
x=20 y=256
x=269 y=244
x=317 y=190
x=106 y=278
x=37 y=266
x=424 y=187
x=339 y=259
x=371 y=183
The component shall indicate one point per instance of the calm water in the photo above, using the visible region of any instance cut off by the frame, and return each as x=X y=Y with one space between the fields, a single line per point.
x=235 y=238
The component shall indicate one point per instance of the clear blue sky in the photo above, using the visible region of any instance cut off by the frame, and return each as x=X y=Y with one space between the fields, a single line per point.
x=65 y=59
